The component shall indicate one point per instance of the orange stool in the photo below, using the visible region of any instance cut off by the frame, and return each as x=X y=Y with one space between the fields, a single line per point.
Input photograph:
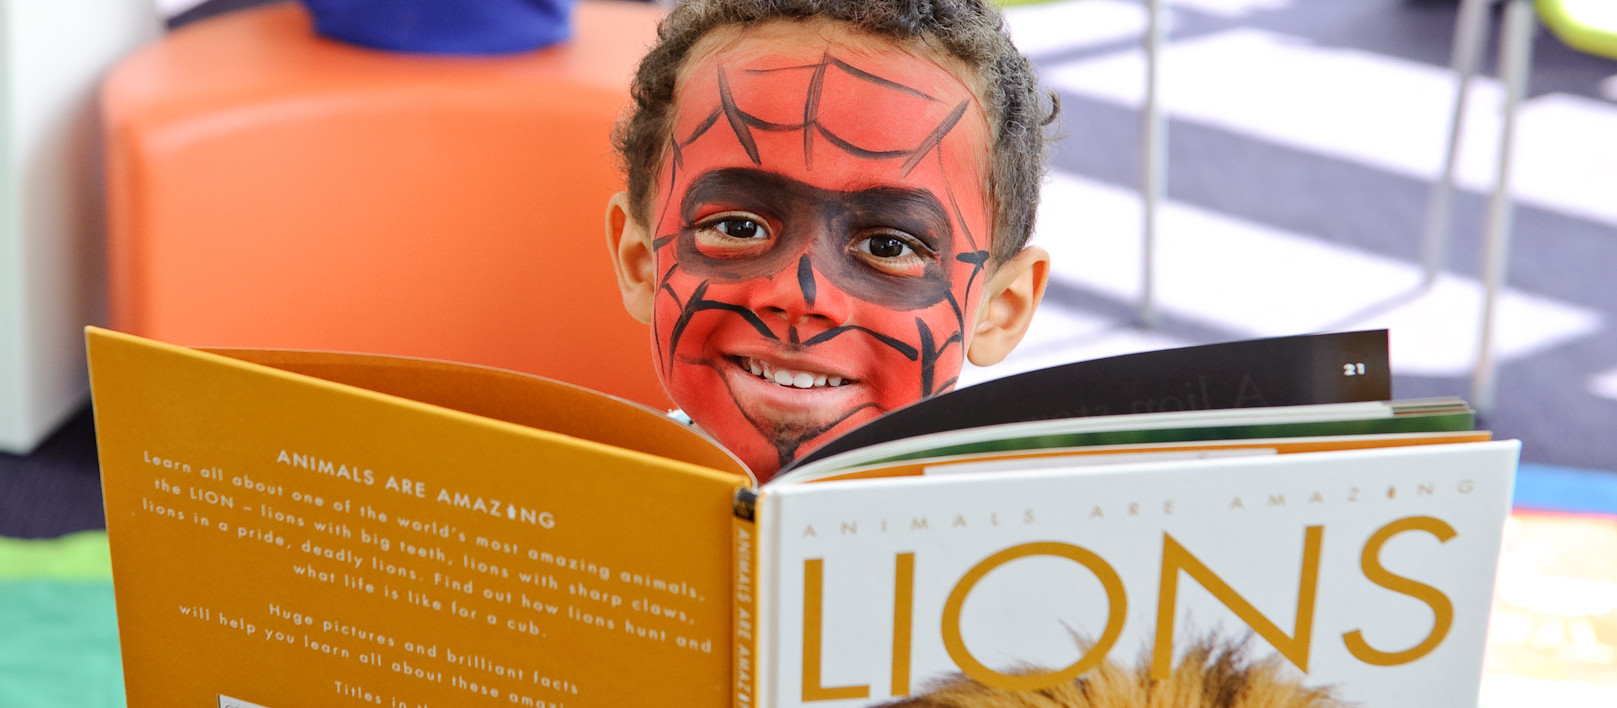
x=271 y=188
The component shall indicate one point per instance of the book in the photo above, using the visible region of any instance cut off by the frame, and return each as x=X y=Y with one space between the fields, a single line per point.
x=296 y=528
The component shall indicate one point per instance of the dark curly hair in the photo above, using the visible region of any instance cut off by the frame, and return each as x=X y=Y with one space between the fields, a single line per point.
x=972 y=31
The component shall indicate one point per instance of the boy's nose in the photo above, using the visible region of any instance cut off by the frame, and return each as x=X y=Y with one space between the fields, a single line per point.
x=801 y=295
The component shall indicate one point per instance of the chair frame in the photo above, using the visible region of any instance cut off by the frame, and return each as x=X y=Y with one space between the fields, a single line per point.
x=1515 y=65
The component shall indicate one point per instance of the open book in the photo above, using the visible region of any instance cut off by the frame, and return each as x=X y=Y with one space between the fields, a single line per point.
x=298 y=528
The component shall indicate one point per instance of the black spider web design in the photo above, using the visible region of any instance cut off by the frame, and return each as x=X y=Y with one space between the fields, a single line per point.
x=743 y=123
x=977 y=258
x=929 y=351
x=786 y=443
x=698 y=303
x=663 y=286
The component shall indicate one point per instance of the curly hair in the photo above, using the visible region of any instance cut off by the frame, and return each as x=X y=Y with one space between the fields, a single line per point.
x=972 y=31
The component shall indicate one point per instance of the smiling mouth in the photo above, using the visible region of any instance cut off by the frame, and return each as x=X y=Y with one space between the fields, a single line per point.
x=789 y=378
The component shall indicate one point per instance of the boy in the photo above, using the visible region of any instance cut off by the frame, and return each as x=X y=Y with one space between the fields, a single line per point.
x=827 y=212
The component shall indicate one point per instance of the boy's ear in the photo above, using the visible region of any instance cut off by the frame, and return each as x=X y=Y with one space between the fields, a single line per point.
x=632 y=257
x=1013 y=293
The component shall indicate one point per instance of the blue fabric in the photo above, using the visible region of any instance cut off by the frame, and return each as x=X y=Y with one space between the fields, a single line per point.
x=444 y=26
x=59 y=645
x=1563 y=489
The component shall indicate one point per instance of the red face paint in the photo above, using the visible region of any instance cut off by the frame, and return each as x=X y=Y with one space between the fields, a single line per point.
x=821 y=230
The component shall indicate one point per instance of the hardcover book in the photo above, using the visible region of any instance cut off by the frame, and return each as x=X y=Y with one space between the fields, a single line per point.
x=302 y=528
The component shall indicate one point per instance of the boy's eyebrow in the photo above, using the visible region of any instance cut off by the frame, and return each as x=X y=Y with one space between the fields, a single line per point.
x=917 y=212
x=738 y=184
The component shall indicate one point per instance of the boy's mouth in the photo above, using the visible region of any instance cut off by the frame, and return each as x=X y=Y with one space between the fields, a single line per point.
x=791 y=378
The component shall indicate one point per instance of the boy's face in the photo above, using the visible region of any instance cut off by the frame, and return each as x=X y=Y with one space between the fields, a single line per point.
x=820 y=232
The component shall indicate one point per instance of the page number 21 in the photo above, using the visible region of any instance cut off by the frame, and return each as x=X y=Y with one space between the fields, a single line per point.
x=1356 y=369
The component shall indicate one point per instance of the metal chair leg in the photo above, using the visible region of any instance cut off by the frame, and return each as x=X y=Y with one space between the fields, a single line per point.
x=1469 y=31
x=1515 y=62
x=1154 y=159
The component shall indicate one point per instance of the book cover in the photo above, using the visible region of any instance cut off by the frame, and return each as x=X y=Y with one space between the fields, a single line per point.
x=1366 y=574
x=294 y=528
x=280 y=540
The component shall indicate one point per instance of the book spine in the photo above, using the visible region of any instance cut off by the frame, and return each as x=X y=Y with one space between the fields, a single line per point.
x=744 y=663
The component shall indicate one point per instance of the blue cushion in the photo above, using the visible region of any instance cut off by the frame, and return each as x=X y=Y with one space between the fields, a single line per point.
x=444 y=26
x=1565 y=489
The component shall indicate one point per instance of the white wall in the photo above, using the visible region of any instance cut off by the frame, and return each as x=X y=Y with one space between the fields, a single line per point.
x=170 y=8
x=53 y=54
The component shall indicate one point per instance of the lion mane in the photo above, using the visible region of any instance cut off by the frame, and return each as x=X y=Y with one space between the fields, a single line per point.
x=1212 y=674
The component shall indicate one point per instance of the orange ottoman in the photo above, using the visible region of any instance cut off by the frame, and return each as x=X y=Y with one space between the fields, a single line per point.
x=271 y=188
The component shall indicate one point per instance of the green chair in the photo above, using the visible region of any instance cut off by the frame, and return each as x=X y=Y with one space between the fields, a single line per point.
x=1585 y=25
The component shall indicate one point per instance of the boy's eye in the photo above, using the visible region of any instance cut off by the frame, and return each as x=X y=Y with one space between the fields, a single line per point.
x=894 y=254
x=739 y=227
x=886 y=246
x=732 y=234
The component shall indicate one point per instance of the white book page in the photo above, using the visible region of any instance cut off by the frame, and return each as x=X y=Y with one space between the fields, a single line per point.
x=1038 y=562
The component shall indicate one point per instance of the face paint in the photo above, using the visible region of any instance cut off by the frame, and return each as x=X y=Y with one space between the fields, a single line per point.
x=820 y=227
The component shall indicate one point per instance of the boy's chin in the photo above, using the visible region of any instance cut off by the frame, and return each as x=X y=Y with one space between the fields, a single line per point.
x=770 y=430
x=765 y=443
x=765 y=423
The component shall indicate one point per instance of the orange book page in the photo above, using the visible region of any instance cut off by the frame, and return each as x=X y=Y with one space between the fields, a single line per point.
x=280 y=540
x=526 y=400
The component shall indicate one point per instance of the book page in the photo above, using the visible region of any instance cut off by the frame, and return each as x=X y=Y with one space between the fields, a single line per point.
x=1278 y=371
x=1024 y=460
x=526 y=400
x=279 y=540
x=1367 y=574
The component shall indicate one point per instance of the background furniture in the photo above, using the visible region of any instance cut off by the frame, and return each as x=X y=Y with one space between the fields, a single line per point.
x=1586 y=25
x=1515 y=64
x=271 y=188
x=1153 y=156
x=52 y=54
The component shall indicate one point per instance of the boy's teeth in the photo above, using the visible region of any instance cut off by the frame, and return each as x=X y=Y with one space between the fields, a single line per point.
x=783 y=377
